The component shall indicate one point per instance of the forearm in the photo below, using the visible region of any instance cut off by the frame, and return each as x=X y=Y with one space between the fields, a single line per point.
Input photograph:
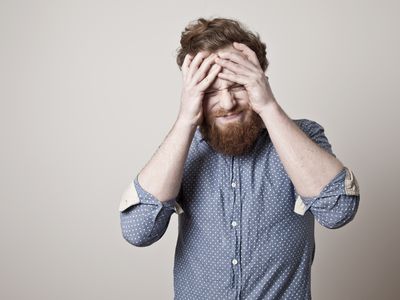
x=308 y=165
x=162 y=175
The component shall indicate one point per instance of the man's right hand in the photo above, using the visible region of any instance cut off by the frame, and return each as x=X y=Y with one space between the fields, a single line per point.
x=198 y=74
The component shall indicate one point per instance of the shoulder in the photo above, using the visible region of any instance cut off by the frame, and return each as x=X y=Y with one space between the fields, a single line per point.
x=310 y=127
x=316 y=132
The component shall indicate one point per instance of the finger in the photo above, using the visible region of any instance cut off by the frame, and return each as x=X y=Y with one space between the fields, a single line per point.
x=234 y=78
x=227 y=71
x=236 y=68
x=205 y=66
x=186 y=63
x=209 y=79
x=197 y=60
x=250 y=54
x=238 y=58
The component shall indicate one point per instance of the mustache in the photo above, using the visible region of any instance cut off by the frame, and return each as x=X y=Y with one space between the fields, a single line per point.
x=225 y=113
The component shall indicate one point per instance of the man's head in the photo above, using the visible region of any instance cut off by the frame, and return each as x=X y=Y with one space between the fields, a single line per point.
x=233 y=135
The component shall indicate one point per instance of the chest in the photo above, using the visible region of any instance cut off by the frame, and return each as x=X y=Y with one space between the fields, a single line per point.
x=220 y=187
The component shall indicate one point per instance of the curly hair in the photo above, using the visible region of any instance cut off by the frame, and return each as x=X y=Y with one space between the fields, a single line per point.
x=214 y=34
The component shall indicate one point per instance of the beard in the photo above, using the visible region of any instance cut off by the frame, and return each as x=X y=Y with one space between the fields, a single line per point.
x=233 y=137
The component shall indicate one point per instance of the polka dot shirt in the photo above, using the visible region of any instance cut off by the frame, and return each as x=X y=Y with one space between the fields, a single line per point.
x=240 y=233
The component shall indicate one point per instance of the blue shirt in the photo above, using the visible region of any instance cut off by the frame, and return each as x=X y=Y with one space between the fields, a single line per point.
x=244 y=233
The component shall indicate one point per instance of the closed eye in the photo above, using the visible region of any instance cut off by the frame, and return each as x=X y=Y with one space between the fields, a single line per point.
x=208 y=94
x=238 y=88
x=233 y=88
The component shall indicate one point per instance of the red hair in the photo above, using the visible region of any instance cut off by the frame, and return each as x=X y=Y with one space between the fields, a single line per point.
x=214 y=34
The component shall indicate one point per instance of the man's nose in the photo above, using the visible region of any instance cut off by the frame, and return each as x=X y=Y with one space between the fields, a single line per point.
x=227 y=100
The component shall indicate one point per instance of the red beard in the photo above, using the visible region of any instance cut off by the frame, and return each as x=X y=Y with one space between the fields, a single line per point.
x=234 y=137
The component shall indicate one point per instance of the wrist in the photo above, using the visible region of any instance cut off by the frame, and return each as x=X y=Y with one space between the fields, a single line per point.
x=269 y=108
x=185 y=124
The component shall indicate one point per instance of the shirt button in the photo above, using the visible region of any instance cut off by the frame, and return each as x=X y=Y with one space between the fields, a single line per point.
x=233 y=223
x=234 y=261
x=233 y=184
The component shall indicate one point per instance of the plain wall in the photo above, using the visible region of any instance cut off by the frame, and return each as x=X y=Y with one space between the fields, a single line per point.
x=89 y=90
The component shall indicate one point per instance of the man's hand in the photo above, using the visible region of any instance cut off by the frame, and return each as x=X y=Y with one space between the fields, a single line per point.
x=198 y=74
x=244 y=64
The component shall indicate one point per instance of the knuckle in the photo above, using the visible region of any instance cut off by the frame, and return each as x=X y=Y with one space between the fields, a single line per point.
x=189 y=86
x=211 y=57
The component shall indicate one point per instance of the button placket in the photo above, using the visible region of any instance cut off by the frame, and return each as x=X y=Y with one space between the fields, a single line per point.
x=235 y=220
x=233 y=223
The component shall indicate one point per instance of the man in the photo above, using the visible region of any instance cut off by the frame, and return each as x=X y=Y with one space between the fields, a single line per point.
x=246 y=181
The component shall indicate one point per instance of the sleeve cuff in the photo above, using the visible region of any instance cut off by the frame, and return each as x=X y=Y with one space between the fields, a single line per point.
x=350 y=184
x=135 y=194
x=351 y=187
x=129 y=197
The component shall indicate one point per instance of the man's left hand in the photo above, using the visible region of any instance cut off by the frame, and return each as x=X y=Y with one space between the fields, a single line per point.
x=246 y=70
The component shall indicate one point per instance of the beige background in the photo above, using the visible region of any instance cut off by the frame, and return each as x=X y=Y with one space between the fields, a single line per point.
x=89 y=89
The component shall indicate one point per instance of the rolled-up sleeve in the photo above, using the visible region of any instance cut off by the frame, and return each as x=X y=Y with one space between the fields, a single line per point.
x=338 y=202
x=144 y=219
